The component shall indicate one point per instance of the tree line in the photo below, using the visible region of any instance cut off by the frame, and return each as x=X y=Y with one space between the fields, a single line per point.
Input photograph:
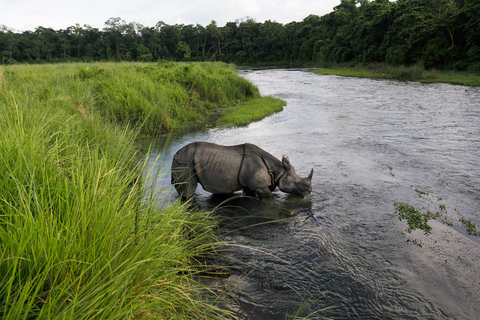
x=437 y=33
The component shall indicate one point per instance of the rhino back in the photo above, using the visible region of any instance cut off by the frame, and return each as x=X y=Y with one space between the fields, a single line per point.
x=217 y=167
x=260 y=168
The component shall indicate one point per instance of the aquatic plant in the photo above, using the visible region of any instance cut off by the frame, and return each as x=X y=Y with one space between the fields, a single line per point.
x=469 y=226
x=419 y=220
x=415 y=219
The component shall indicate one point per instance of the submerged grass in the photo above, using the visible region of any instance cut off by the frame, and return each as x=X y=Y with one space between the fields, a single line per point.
x=78 y=240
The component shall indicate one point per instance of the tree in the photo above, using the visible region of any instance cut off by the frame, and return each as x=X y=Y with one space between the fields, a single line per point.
x=248 y=33
x=143 y=54
x=271 y=38
x=93 y=43
x=170 y=36
x=8 y=45
x=439 y=33
x=183 y=50
x=215 y=37
x=114 y=28
x=202 y=38
x=48 y=43
x=470 y=15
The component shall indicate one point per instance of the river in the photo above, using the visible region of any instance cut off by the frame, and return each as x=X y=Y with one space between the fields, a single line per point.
x=344 y=253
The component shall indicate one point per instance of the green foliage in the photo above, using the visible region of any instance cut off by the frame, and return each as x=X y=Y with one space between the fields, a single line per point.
x=469 y=226
x=414 y=218
x=411 y=73
x=184 y=50
x=353 y=72
x=418 y=220
x=252 y=110
x=437 y=33
x=143 y=54
x=402 y=73
x=78 y=237
x=153 y=97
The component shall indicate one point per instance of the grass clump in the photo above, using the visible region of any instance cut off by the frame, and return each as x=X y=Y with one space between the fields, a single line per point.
x=252 y=110
x=78 y=240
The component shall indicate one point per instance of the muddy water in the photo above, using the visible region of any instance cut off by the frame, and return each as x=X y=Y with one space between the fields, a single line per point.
x=344 y=253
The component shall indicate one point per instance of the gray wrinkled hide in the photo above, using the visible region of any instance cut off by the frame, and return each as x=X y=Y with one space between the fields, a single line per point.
x=226 y=169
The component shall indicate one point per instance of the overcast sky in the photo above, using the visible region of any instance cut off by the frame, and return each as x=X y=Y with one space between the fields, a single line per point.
x=24 y=15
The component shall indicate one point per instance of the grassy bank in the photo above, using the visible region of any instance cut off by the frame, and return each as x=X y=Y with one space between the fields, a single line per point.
x=78 y=239
x=151 y=97
x=251 y=110
x=402 y=73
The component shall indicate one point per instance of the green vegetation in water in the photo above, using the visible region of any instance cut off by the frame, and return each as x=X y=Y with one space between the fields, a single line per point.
x=402 y=73
x=391 y=171
x=79 y=238
x=421 y=193
x=417 y=220
x=153 y=98
x=469 y=226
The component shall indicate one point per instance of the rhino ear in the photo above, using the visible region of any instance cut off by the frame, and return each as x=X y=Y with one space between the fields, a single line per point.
x=309 y=178
x=286 y=163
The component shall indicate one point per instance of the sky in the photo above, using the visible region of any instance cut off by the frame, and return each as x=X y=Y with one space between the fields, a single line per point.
x=22 y=15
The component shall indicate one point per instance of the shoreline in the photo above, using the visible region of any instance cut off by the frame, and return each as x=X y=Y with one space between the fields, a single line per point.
x=413 y=73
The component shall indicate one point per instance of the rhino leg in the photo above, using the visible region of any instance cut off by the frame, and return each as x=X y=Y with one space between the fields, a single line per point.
x=263 y=192
x=185 y=180
x=184 y=176
x=249 y=193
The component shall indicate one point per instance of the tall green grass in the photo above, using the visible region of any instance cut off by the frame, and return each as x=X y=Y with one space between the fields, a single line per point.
x=151 y=97
x=77 y=238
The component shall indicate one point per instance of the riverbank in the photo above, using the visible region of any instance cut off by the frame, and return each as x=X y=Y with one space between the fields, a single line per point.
x=153 y=98
x=79 y=239
x=413 y=73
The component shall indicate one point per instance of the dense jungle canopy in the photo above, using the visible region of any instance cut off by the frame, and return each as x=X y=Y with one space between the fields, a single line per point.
x=438 y=33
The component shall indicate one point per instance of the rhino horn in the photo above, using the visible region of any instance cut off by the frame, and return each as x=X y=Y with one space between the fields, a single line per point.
x=309 y=178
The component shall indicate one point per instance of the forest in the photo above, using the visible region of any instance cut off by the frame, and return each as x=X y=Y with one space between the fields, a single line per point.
x=443 y=34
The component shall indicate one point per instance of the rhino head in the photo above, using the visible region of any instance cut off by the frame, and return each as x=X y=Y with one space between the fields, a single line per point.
x=291 y=182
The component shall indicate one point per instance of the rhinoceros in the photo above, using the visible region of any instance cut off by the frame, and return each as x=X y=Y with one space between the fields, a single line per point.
x=226 y=169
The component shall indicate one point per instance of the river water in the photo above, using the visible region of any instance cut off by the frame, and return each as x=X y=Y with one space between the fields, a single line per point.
x=344 y=253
